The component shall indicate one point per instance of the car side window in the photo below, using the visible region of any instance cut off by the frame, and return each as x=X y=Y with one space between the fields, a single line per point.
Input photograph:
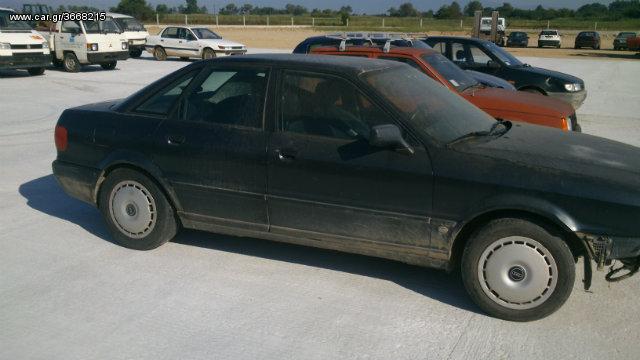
x=170 y=33
x=230 y=97
x=478 y=57
x=328 y=106
x=403 y=60
x=162 y=101
x=71 y=27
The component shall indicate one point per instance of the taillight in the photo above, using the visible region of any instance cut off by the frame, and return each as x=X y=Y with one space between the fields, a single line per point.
x=565 y=125
x=61 y=138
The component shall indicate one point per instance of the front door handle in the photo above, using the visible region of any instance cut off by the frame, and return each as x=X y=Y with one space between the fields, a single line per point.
x=175 y=139
x=285 y=155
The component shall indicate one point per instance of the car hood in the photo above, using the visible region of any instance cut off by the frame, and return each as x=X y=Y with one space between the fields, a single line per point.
x=518 y=101
x=490 y=80
x=221 y=42
x=551 y=74
x=609 y=162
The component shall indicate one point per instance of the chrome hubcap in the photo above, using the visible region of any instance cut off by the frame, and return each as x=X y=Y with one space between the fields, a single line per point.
x=133 y=209
x=517 y=272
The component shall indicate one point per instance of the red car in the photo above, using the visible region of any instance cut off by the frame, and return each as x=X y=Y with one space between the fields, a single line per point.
x=499 y=103
x=633 y=43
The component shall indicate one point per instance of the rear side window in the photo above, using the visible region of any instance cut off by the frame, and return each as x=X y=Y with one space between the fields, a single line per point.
x=229 y=97
x=171 y=33
x=162 y=101
x=326 y=106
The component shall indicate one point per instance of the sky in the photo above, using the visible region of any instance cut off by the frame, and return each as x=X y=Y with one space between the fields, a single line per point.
x=359 y=6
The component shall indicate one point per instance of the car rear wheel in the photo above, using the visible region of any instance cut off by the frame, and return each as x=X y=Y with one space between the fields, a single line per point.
x=160 y=54
x=517 y=270
x=71 y=63
x=109 y=65
x=36 y=71
x=208 y=54
x=137 y=212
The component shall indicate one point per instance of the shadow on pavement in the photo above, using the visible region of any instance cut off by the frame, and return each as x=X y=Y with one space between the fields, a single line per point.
x=45 y=195
x=608 y=55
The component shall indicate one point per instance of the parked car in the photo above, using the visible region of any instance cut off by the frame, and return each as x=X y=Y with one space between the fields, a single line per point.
x=133 y=31
x=21 y=47
x=357 y=38
x=484 y=56
x=191 y=42
x=77 y=43
x=550 y=38
x=588 y=39
x=633 y=43
x=499 y=103
x=518 y=39
x=620 y=41
x=351 y=155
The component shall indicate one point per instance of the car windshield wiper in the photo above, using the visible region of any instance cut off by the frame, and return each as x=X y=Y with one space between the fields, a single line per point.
x=499 y=128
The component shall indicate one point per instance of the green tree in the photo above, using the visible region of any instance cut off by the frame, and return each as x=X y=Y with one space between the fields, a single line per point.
x=139 y=9
x=472 y=7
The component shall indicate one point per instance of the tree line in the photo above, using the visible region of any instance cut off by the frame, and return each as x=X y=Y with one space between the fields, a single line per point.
x=616 y=10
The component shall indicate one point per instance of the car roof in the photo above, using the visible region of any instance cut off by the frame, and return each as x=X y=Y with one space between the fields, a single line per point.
x=402 y=50
x=347 y=64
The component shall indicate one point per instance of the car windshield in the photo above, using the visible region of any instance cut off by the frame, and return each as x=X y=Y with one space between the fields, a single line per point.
x=518 y=35
x=6 y=24
x=450 y=71
x=435 y=111
x=204 y=33
x=98 y=27
x=503 y=55
x=549 y=33
x=587 y=34
x=129 y=24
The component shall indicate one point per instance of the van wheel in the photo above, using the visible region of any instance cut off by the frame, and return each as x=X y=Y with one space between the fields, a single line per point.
x=71 y=63
x=135 y=53
x=184 y=58
x=208 y=54
x=517 y=270
x=35 y=71
x=160 y=54
x=109 y=65
x=137 y=212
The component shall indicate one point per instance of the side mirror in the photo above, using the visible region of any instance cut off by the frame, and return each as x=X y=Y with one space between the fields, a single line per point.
x=493 y=65
x=389 y=136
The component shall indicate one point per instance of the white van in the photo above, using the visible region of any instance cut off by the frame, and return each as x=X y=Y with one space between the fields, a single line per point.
x=485 y=25
x=21 y=47
x=76 y=43
x=133 y=31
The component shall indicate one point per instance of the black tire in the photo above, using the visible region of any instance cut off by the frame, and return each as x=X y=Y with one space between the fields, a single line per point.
x=208 y=54
x=70 y=63
x=109 y=65
x=133 y=210
x=35 y=71
x=159 y=53
x=184 y=58
x=135 y=53
x=547 y=270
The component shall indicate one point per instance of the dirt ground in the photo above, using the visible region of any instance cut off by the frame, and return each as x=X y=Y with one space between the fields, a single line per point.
x=288 y=38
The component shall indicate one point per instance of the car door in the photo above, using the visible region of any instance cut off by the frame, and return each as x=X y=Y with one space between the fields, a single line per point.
x=70 y=38
x=191 y=44
x=169 y=41
x=213 y=150
x=325 y=178
x=183 y=48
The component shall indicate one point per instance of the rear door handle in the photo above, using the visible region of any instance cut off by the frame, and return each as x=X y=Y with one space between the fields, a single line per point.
x=175 y=139
x=285 y=155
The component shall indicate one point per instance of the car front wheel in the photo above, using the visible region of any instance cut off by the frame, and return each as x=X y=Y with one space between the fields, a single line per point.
x=110 y=65
x=160 y=54
x=517 y=270
x=136 y=211
x=208 y=54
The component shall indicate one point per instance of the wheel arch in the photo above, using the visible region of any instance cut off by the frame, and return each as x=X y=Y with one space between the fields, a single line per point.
x=553 y=220
x=138 y=163
x=533 y=87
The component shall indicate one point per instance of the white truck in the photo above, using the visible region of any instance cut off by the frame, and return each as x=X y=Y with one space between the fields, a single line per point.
x=485 y=28
x=20 y=46
x=77 y=43
x=133 y=31
x=191 y=42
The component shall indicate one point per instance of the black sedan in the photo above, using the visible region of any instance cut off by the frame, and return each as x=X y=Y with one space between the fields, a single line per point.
x=518 y=39
x=589 y=39
x=487 y=57
x=349 y=154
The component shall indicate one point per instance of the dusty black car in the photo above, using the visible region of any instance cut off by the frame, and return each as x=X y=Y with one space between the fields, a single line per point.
x=589 y=39
x=487 y=57
x=518 y=39
x=349 y=154
x=620 y=42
